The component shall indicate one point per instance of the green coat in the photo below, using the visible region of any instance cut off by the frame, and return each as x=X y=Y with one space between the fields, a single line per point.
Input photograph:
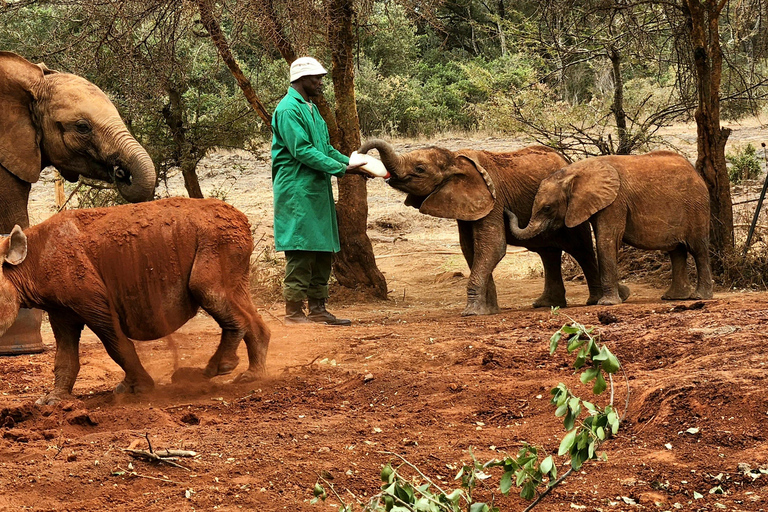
x=303 y=162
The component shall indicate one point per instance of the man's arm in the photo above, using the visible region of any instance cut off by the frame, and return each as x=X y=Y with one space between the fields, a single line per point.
x=297 y=142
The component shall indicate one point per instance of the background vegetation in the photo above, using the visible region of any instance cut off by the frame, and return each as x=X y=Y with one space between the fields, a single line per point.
x=589 y=78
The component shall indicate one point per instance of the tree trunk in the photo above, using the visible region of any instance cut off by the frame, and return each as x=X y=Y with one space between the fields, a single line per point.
x=619 y=115
x=355 y=266
x=703 y=17
x=220 y=41
x=172 y=113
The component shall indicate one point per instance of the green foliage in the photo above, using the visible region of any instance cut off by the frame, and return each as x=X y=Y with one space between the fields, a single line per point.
x=582 y=441
x=401 y=494
x=745 y=164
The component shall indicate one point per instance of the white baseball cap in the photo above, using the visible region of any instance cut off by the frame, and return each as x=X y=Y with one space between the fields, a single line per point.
x=306 y=66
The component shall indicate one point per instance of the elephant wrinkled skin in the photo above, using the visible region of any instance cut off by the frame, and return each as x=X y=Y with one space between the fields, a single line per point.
x=475 y=187
x=655 y=201
x=135 y=272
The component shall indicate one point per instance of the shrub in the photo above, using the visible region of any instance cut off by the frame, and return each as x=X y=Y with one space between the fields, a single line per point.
x=745 y=164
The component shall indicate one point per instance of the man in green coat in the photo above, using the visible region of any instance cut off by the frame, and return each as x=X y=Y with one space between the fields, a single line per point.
x=303 y=162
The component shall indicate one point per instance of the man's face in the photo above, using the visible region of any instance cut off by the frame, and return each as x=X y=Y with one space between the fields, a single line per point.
x=313 y=85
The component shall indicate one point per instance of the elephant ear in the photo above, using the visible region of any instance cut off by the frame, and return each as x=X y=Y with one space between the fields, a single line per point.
x=467 y=194
x=13 y=249
x=19 y=140
x=594 y=185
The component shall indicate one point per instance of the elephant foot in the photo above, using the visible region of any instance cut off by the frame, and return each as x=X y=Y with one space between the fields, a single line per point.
x=225 y=366
x=134 y=388
x=187 y=374
x=702 y=293
x=624 y=292
x=609 y=300
x=547 y=302
x=677 y=294
x=479 y=310
x=249 y=376
x=595 y=297
x=53 y=398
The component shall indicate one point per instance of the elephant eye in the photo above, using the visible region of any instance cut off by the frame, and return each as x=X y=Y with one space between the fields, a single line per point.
x=83 y=127
x=420 y=169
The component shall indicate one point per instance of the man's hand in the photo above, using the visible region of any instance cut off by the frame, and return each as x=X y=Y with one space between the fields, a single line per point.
x=356 y=169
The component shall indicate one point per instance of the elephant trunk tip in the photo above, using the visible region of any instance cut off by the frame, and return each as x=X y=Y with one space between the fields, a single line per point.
x=514 y=226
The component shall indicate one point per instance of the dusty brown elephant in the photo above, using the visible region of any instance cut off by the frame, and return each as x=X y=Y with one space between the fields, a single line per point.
x=63 y=120
x=135 y=272
x=475 y=187
x=653 y=201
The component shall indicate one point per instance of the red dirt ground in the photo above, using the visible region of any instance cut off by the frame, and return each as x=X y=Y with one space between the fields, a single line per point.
x=412 y=377
x=441 y=384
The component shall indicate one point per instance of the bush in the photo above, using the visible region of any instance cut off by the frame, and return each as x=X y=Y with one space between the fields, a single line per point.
x=745 y=164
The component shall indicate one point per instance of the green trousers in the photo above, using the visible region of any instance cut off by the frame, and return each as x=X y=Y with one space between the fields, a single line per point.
x=306 y=275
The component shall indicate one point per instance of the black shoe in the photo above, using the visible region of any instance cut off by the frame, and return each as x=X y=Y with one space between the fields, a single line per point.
x=318 y=313
x=294 y=313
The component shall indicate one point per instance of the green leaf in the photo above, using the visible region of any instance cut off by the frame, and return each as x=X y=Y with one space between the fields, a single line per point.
x=567 y=442
x=506 y=482
x=600 y=384
x=553 y=341
x=611 y=365
x=574 y=342
x=454 y=495
x=478 y=507
x=423 y=505
x=589 y=374
x=546 y=465
x=561 y=411
x=387 y=474
x=613 y=420
x=570 y=329
x=529 y=491
x=569 y=421
x=600 y=433
x=521 y=477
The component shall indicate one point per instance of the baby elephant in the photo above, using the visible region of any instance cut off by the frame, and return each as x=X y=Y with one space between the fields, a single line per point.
x=135 y=272
x=653 y=201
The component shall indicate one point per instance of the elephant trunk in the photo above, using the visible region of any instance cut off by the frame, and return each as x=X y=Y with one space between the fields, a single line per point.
x=135 y=175
x=389 y=157
x=530 y=231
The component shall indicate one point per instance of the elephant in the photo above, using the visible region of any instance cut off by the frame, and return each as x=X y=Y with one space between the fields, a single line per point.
x=60 y=119
x=475 y=188
x=136 y=272
x=655 y=201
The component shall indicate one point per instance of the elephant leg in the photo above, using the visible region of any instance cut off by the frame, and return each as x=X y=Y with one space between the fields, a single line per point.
x=700 y=251
x=579 y=245
x=680 y=289
x=608 y=241
x=66 y=366
x=123 y=352
x=554 y=289
x=238 y=320
x=483 y=249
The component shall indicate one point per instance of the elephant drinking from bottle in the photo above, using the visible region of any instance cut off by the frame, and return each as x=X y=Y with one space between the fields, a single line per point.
x=60 y=119
x=475 y=188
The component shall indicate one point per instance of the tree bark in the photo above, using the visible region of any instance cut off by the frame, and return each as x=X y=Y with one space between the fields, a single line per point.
x=355 y=266
x=220 y=41
x=703 y=18
x=619 y=115
x=172 y=113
